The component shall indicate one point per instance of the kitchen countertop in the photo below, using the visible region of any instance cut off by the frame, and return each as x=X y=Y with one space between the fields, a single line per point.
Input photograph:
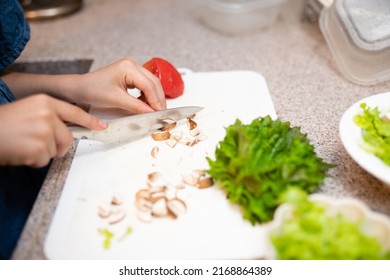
x=306 y=87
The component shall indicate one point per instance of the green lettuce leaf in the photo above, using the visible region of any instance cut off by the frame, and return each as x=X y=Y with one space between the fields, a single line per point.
x=375 y=133
x=255 y=163
x=311 y=234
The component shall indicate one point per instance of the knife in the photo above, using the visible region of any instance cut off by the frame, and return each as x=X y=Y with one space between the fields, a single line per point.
x=134 y=127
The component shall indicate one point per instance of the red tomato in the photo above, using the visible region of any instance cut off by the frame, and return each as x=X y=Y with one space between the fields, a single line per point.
x=170 y=78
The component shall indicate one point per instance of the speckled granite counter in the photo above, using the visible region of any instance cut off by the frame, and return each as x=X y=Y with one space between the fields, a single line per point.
x=305 y=85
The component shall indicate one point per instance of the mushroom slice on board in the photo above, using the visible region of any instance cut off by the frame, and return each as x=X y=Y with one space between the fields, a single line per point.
x=104 y=210
x=191 y=124
x=159 y=208
x=145 y=216
x=161 y=136
x=154 y=151
x=176 y=207
x=117 y=216
x=205 y=183
x=116 y=199
x=191 y=179
x=168 y=126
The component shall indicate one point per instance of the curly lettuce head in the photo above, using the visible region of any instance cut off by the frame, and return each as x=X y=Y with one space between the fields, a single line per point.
x=255 y=163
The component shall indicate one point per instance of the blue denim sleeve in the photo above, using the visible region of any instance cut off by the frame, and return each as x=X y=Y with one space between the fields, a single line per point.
x=6 y=95
x=19 y=185
x=14 y=35
x=14 y=32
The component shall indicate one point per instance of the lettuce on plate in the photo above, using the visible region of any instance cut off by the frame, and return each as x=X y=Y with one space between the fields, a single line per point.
x=375 y=132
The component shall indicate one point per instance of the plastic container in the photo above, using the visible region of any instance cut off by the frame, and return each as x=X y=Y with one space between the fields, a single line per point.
x=358 y=35
x=237 y=17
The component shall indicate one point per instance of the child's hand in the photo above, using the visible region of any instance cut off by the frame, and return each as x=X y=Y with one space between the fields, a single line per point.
x=107 y=87
x=32 y=130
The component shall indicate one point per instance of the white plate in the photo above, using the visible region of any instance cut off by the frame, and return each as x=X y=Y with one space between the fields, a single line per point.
x=350 y=135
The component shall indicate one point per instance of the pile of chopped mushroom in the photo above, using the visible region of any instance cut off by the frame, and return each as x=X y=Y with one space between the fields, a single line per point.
x=171 y=137
x=113 y=211
x=161 y=199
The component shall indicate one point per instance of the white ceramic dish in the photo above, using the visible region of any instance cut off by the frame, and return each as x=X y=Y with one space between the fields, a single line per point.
x=350 y=135
x=373 y=223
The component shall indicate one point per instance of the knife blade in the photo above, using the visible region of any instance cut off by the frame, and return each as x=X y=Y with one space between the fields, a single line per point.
x=130 y=128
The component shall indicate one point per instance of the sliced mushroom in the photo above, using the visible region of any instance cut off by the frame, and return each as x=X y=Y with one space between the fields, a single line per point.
x=171 y=143
x=191 y=179
x=116 y=217
x=176 y=135
x=155 y=151
x=194 y=142
x=143 y=204
x=168 y=127
x=156 y=181
x=154 y=176
x=145 y=216
x=176 y=207
x=157 y=189
x=104 y=210
x=161 y=136
x=142 y=193
x=191 y=124
x=116 y=199
x=194 y=132
x=154 y=196
x=159 y=208
x=205 y=183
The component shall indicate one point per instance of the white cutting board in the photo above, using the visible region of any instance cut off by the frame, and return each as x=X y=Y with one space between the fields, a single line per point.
x=211 y=228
